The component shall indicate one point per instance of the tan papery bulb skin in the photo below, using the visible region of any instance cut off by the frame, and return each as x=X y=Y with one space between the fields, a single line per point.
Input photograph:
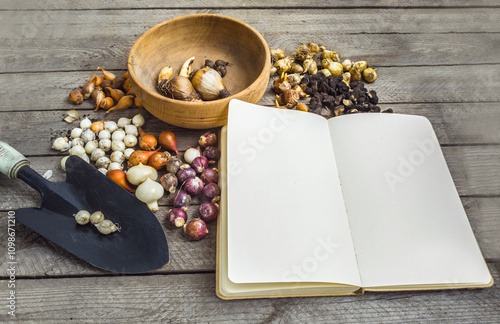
x=180 y=88
x=208 y=83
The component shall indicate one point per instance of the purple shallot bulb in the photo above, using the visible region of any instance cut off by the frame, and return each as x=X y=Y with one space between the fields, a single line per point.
x=196 y=229
x=208 y=211
x=185 y=172
x=212 y=153
x=210 y=175
x=199 y=164
x=194 y=186
x=211 y=191
x=177 y=217
x=182 y=200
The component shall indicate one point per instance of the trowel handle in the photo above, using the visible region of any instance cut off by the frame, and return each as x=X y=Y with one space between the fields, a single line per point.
x=11 y=160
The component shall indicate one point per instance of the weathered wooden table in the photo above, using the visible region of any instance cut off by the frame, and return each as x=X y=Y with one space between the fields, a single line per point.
x=439 y=59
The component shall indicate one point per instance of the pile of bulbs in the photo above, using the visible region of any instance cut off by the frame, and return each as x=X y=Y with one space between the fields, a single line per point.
x=92 y=141
x=194 y=85
x=305 y=64
x=303 y=61
x=196 y=179
x=105 y=91
x=104 y=226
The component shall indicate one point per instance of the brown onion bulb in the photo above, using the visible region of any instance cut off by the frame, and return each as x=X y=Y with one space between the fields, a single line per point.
x=97 y=126
x=168 y=141
x=158 y=160
x=173 y=164
x=120 y=178
x=116 y=94
x=180 y=88
x=124 y=103
x=118 y=83
x=107 y=103
x=138 y=103
x=139 y=156
x=107 y=75
x=76 y=96
x=88 y=88
x=146 y=141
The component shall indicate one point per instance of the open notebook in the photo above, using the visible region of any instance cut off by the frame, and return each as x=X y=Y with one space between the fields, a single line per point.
x=312 y=206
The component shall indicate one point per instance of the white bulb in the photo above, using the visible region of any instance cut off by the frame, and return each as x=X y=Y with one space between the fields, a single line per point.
x=118 y=135
x=117 y=145
x=110 y=126
x=104 y=134
x=105 y=145
x=138 y=120
x=122 y=122
x=85 y=123
x=76 y=132
x=130 y=140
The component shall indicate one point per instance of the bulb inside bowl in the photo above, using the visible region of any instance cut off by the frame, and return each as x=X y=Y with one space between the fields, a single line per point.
x=204 y=36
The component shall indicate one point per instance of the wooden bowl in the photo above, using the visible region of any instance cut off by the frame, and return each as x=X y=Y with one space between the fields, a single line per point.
x=204 y=36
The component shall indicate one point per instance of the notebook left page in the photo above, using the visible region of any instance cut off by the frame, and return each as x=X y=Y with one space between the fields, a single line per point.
x=286 y=216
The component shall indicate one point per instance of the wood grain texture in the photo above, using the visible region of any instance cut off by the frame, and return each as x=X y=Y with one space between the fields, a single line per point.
x=54 y=126
x=395 y=85
x=38 y=257
x=474 y=170
x=40 y=24
x=47 y=47
x=438 y=59
x=128 y=4
x=471 y=123
x=191 y=298
x=484 y=220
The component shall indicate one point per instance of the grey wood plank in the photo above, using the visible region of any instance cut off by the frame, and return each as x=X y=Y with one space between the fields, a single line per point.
x=484 y=160
x=470 y=123
x=48 y=125
x=41 y=23
x=38 y=257
x=457 y=123
x=440 y=84
x=462 y=109
x=93 y=5
x=191 y=298
x=16 y=194
x=485 y=223
x=474 y=169
x=58 y=53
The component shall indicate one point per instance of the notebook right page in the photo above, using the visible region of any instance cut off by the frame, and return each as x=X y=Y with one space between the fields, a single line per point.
x=406 y=218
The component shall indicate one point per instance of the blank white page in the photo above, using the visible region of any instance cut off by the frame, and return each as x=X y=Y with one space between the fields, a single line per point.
x=286 y=217
x=407 y=221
